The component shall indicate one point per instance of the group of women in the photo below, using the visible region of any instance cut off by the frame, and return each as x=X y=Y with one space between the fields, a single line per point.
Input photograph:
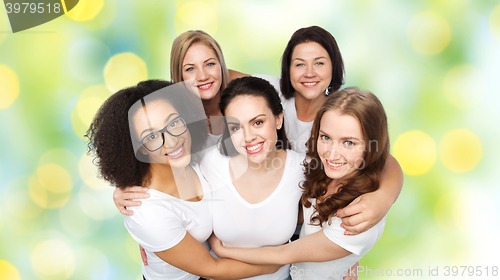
x=222 y=152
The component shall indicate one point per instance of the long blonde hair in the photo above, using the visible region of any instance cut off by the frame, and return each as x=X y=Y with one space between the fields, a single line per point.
x=181 y=45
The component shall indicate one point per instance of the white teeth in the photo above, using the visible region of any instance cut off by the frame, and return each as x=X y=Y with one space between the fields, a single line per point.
x=205 y=86
x=310 y=84
x=255 y=147
x=175 y=153
x=334 y=164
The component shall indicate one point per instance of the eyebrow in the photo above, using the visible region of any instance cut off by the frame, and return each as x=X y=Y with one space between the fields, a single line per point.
x=150 y=129
x=254 y=118
x=343 y=138
x=193 y=63
x=301 y=59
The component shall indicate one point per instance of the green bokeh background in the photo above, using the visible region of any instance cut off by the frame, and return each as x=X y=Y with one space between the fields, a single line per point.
x=58 y=222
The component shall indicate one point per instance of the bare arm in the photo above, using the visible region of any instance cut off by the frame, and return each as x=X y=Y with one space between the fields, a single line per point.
x=190 y=256
x=369 y=209
x=311 y=248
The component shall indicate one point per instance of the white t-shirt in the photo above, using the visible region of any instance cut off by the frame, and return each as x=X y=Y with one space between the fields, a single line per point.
x=162 y=221
x=239 y=223
x=297 y=131
x=358 y=245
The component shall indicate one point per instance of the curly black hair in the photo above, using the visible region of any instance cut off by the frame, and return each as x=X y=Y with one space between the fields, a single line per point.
x=109 y=135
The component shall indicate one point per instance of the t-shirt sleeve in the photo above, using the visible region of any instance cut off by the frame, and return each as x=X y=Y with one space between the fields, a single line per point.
x=155 y=228
x=357 y=244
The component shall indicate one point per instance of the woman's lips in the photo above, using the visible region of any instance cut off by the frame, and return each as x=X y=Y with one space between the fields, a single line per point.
x=254 y=148
x=205 y=86
x=177 y=153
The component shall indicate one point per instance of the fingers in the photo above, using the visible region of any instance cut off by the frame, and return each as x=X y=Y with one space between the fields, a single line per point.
x=134 y=195
x=354 y=220
x=136 y=189
x=126 y=212
x=357 y=229
x=144 y=257
x=353 y=208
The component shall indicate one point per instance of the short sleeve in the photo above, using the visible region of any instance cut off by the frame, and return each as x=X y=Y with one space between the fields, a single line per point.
x=357 y=244
x=154 y=227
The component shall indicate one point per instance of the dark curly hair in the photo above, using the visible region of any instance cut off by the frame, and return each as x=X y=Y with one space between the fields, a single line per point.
x=367 y=109
x=257 y=87
x=109 y=136
x=325 y=39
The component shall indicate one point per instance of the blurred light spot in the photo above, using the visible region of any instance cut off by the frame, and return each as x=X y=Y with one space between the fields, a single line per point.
x=19 y=204
x=428 y=33
x=494 y=21
x=124 y=70
x=55 y=178
x=415 y=152
x=194 y=15
x=53 y=259
x=85 y=10
x=133 y=249
x=92 y=263
x=86 y=58
x=97 y=204
x=464 y=86
x=89 y=174
x=460 y=150
x=449 y=212
x=51 y=187
x=73 y=220
x=61 y=157
x=481 y=208
x=86 y=108
x=8 y=271
x=10 y=86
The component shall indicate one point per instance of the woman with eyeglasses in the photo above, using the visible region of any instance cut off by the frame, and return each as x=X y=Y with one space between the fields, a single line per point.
x=150 y=135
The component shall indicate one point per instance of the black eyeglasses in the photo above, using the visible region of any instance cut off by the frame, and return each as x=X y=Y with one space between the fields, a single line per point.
x=155 y=140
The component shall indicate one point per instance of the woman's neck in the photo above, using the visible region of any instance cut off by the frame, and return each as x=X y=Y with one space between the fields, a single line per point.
x=211 y=106
x=240 y=164
x=307 y=108
x=165 y=179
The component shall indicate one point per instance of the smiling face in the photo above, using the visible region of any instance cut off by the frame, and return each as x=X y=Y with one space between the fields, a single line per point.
x=253 y=127
x=176 y=150
x=201 y=65
x=341 y=145
x=310 y=70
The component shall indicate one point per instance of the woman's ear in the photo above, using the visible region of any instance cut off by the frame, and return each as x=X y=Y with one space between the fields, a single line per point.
x=279 y=121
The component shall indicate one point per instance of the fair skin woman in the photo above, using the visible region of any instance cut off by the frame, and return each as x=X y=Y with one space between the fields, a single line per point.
x=344 y=155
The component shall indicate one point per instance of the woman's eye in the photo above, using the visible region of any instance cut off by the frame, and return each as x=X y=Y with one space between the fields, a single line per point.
x=234 y=128
x=189 y=69
x=300 y=64
x=258 y=122
x=211 y=64
x=150 y=137
x=324 y=137
x=174 y=123
x=319 y=63
x=349 y=143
